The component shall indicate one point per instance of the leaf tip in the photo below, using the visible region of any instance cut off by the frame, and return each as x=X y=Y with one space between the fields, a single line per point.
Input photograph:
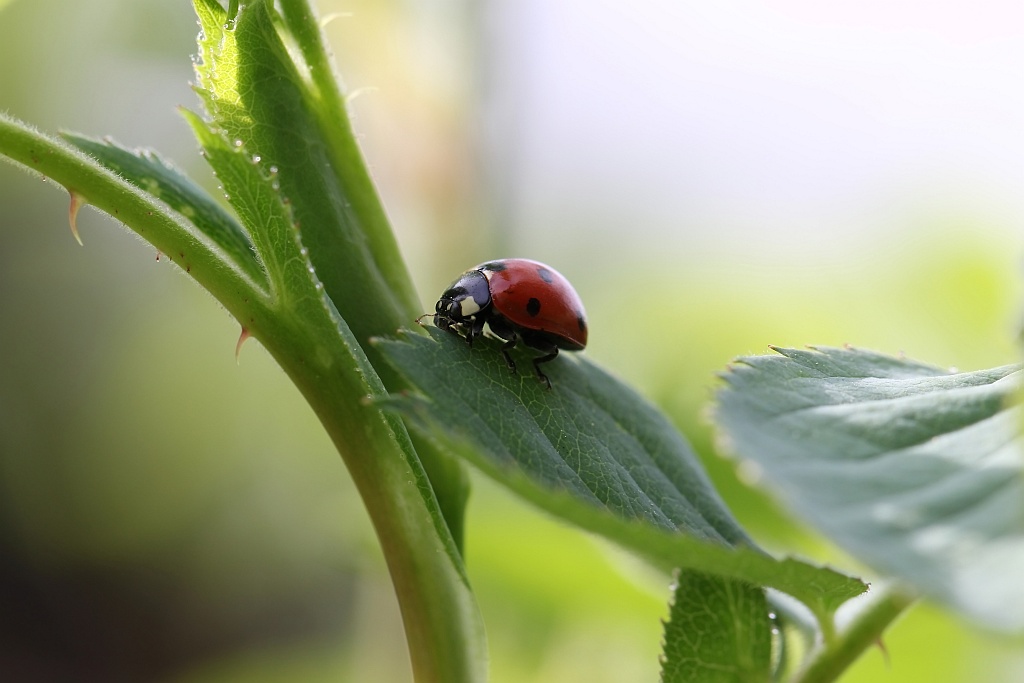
x=377 y=341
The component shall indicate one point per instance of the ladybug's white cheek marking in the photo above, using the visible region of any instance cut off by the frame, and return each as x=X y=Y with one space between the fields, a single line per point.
x=469 y=307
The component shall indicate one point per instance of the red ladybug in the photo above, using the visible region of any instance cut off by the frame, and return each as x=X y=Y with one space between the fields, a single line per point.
x=520 y=300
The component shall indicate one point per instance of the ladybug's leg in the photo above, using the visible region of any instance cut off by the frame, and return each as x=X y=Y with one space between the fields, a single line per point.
x=503 y=330
x=543 y=344
x=510 y=344
x=544 y=359
x=474 y=328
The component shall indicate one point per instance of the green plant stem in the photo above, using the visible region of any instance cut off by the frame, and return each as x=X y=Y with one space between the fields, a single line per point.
x=331 y=112
x=83 y=176
x=834 y=657
x=442 y=622
x=388 y=270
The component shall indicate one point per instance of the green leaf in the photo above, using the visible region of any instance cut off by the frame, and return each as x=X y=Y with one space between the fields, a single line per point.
x=148 y=171
x=593 y=452
x=913 y=469
x=718 y=632
x=588 y=435
x=262 y=99
x=255 y=196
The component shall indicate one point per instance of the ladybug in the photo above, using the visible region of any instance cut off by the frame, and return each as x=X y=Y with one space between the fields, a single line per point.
x=520 y=301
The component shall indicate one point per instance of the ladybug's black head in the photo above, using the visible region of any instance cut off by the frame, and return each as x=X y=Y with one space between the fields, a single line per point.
x=465 y=298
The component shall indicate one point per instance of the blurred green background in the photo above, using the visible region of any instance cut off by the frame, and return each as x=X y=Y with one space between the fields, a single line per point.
x=713 y=180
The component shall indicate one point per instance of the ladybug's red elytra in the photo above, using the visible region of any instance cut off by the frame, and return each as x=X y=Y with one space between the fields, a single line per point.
x=520 y=300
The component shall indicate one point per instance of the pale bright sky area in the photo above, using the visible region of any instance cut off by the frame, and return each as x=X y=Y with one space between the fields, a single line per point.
x=743 y=125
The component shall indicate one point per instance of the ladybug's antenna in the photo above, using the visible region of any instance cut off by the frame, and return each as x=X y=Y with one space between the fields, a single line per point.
x=425 y=315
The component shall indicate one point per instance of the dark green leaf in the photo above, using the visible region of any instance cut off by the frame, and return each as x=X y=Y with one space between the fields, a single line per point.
x=256 y=198
x=718 y=632
x=149 y=172
x=914 y=470
x=261 y=99
x=589 y=435
x=591 y=451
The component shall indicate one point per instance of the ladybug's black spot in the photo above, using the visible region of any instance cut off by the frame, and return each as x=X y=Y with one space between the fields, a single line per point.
x=545 y=275
x=493 y=266
x=581 y=322
x=533 y=307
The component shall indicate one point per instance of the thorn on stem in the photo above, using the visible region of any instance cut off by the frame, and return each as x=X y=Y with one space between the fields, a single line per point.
x=885 y=652
x=328 y=18
x=241 y=340
x=77 y=202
